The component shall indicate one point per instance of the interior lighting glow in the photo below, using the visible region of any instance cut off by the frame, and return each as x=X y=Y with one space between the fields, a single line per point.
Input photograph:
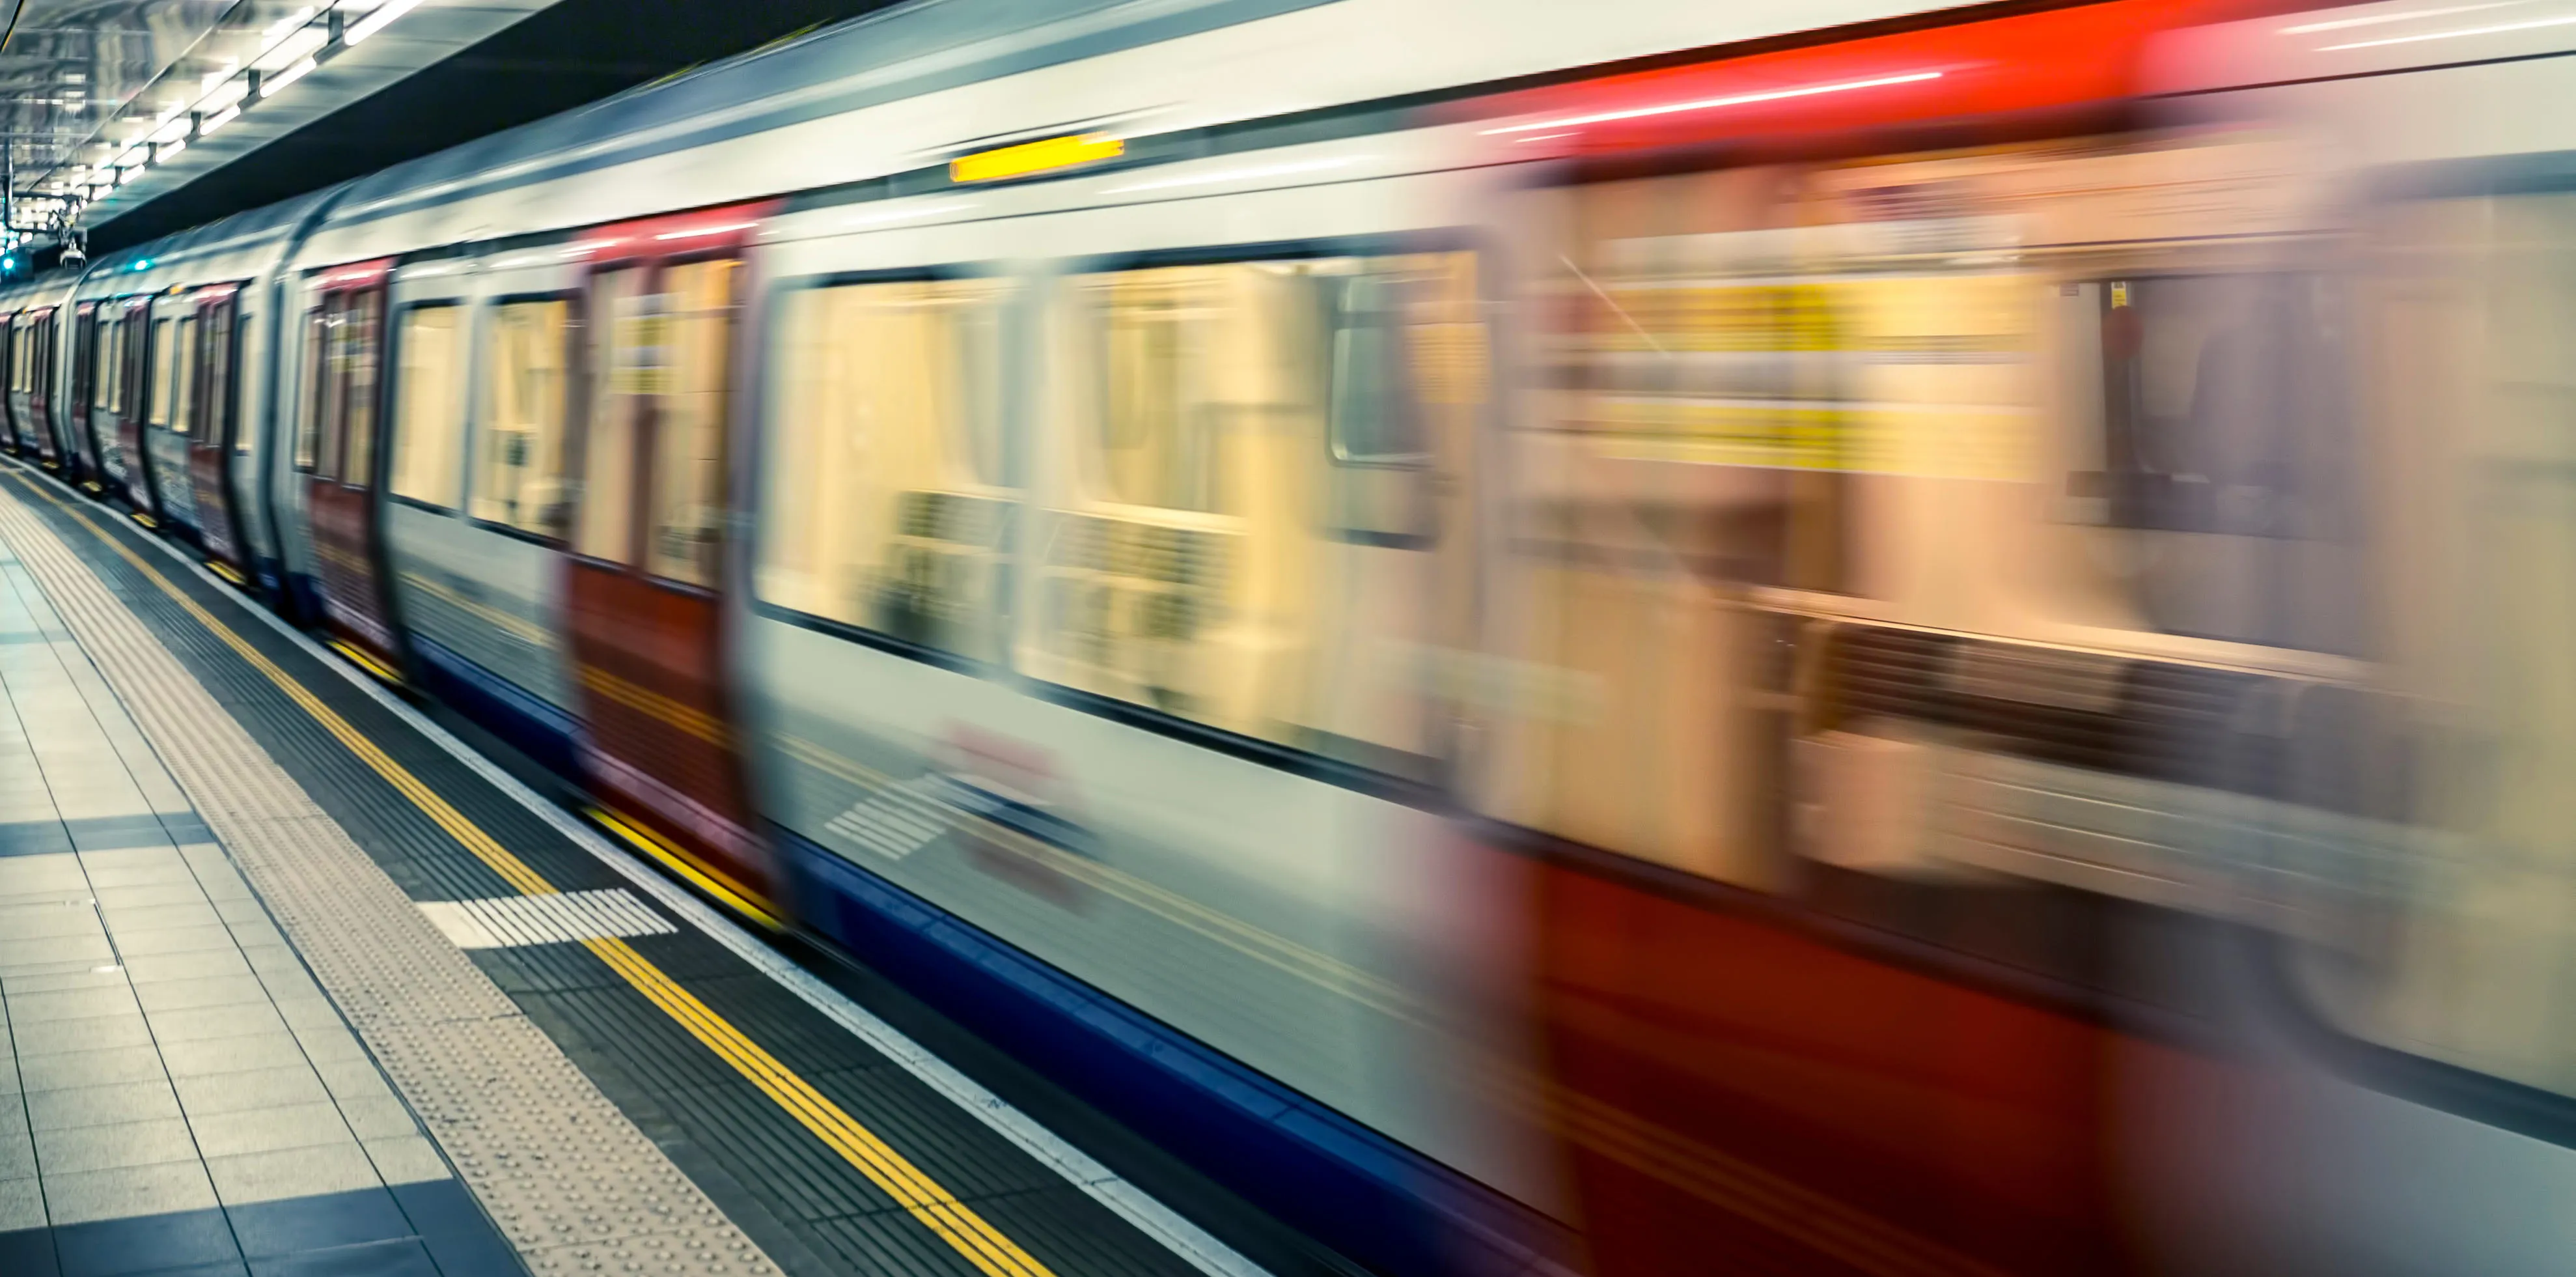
x=269 y=88
x=1710 y=104
x=2498 y=29
x=1242 y=174
x=374 y=22
x=2311 y=28
x=1043 y=155
x=906 y=215
x=286 y=24
x=299 y=44
x=704 y=231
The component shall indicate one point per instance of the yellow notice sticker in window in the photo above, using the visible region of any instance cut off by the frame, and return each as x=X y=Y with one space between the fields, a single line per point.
x=1034 y=157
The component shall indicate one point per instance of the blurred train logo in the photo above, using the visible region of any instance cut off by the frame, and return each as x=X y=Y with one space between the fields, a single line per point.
x=1001 y=798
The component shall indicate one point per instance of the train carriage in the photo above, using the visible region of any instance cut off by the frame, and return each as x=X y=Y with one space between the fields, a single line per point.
x=1650 y=638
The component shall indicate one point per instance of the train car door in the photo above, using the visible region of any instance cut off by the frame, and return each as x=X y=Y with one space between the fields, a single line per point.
x=80 y=395
x=342 y=474
x=212 y=426
x=40 y=388
x=12 y=364
x=170 y=410
x=134 y=375
x=648 y=577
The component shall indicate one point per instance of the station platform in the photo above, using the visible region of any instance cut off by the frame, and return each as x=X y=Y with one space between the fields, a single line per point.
x=293 y=981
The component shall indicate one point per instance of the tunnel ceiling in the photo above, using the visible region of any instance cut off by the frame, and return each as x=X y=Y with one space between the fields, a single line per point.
x=131 y=118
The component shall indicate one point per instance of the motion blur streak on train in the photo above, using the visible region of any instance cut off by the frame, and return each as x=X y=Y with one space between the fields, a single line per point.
x=1605 y=639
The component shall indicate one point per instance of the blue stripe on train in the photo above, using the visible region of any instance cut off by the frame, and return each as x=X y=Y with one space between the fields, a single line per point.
x=530 y=725
x=1366 y=1196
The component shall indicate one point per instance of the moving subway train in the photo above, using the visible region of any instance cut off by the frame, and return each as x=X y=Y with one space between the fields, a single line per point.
x=1609 y=638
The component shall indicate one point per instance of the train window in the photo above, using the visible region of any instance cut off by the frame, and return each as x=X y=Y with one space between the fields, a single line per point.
x=106 y=354
x=220 y=410
x=308 y=416
x=1201 y=561
x=183 y=377
x=628 y=347
x=17 y=356
x=886 y=504
x=2220 y=417
x=429 y=405
x=688 y=505
x=157 y=396
x=519 y=443
x=362 y=347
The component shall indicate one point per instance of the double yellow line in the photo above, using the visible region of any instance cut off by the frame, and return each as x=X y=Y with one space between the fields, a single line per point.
x=956 y=1223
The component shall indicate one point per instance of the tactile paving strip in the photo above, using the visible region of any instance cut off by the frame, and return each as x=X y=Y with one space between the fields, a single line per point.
x=572 y=1183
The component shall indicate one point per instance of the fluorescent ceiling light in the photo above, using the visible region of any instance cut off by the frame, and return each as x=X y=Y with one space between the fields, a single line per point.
x=377 y=21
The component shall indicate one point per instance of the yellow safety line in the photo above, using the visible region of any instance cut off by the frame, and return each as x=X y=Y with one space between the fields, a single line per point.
x=938 y=1209
x=680 y=862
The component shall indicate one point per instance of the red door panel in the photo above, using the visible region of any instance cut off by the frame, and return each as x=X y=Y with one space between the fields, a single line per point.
x=340 y=488
x=210 y=447
x=646 y=584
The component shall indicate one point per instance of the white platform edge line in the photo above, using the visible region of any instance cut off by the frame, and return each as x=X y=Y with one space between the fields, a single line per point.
x=1130 y=1203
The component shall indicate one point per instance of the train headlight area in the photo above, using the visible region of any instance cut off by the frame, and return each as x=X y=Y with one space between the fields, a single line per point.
x=1279 y=636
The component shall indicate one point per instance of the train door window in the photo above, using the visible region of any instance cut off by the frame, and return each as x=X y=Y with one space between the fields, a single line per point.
x=887 y=502
x=629 y=348
x=219 y=415
x=106 y=355
x=519 y=445
x=1195 y=565
x=429 y=405
x=17 y=354
x=363 y=346
x=310 y=403
x=2220 y=421
x=156 y=395
x=688 y=499
x=183 y=376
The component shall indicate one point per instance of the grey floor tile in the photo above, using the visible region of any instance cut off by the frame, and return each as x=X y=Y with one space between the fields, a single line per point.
x=127 y=1191
x=72 y=1070
x=202 y=964
x=407 y=1159
x=330 y=1044
x=17 y=1151
x=95 y=975
x=243 y=910
x=198 y=1024
x=189 y=995
x=231 y=1055
x=98 y=1148
x=133 y=858
x=353 y=1080
x=267 y=1130
x=150 y=894
x=96 y=1033
x=173 y=940
x=314 y=1012
x=378 y=1118
x=46 y=921
x=256 y=933
x=72 y=1004
x=123 y=921
x=101 y=1105
x=295 y=1172
x=206 y=1094
x=140 y=875
x=31 y=956
x=22 y=1205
